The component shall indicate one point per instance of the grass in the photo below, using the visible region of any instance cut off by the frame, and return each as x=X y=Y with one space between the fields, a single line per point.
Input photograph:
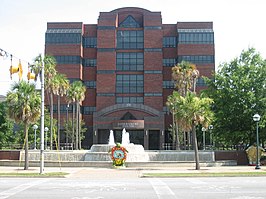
x=222 y=174
x=36 y=175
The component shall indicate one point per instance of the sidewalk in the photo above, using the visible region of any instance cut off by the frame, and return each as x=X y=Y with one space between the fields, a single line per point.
x=108 y=173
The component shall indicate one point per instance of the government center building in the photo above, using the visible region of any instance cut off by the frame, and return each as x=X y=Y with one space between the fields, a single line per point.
x=125 y=62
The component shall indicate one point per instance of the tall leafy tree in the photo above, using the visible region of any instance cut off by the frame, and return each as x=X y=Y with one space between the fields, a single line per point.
x=239 y=91
x=24 y=107
x=192 y=111
x=6 y=127
x=184 y=75
x=68 y=130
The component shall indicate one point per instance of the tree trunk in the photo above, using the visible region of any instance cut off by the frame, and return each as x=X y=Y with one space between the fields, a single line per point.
x=58 y=121
x=73 y=125
x=26 y=164
x=51 y=121
x=67 y=120
x=173 y=132
x=177 y=137
x=195 y=144
x=77 y=128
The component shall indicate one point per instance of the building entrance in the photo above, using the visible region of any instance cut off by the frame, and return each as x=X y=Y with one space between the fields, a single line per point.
x=135 y=136
x=154 y=139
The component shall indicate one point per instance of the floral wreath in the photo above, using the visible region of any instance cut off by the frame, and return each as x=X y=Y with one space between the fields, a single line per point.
x=118 y=155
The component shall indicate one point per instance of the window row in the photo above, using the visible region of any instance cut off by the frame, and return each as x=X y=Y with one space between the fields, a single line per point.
x=196 y=38
x=169 y=42
x=129 y=61
x=90 y=42
x=169 y=62
x=90 y=84
x=88 y=110
x=196 y=59
x=62 y=38
x=129 y=83
x=89 y=62
x=134 y=61
x=68 y=59
x=168 y=84
x=126 y=100
x=130 y=39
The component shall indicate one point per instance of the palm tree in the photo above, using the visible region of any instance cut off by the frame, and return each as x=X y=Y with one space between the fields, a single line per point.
x=49 y=73
x=70 y=98
x=193 y=111
x=50 y=87
x=61 y=85
x=24 y=107
x=185 y=75
x=171 y=103
x=77 y=94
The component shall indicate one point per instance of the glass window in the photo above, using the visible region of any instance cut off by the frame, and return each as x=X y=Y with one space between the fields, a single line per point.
x=169 y=42
x=62 y=38
x=89 y=42
x=169 y=62
x=129 y=61
x=88 y=110
x=132 y=99
x=68 y=59
x=89 y=62
x=129 y=22
x=168 y=84
x=195 y=38
x=129 y=84
x=130 y=39
x=90 y=84
x=197 y=59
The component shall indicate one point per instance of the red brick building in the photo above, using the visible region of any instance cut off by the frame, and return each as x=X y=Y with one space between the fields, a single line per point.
x=125 y=62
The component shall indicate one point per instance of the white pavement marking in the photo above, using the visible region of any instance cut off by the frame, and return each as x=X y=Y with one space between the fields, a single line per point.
x=161 y=189
x=19 y=188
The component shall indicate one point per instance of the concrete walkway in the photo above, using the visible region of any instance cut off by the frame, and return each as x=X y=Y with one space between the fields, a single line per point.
x=109 y=173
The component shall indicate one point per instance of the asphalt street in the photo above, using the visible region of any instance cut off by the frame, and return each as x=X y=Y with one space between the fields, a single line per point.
x=134 y=188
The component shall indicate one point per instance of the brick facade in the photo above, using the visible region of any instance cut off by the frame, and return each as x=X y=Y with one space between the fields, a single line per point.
x=98 y=45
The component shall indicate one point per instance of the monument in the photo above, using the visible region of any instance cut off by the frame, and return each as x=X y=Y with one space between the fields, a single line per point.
x=101 y=152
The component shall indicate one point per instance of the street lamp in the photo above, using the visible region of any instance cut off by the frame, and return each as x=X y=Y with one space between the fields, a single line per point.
x=211 y=128
x=203 y=129
x=256 y=119
x=46 y=129
x=35 y=127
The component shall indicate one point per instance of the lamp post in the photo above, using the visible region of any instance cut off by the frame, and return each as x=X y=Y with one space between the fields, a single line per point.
x=256 y=119
x=42 y=120
x=35 y=127
x=46 y=129
x=203 y=129
x=211 y=128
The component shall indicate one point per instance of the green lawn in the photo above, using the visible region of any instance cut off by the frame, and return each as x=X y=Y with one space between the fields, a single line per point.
x=31 y=175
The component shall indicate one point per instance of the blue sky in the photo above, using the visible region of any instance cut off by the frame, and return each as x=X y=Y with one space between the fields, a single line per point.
x=238 y=24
